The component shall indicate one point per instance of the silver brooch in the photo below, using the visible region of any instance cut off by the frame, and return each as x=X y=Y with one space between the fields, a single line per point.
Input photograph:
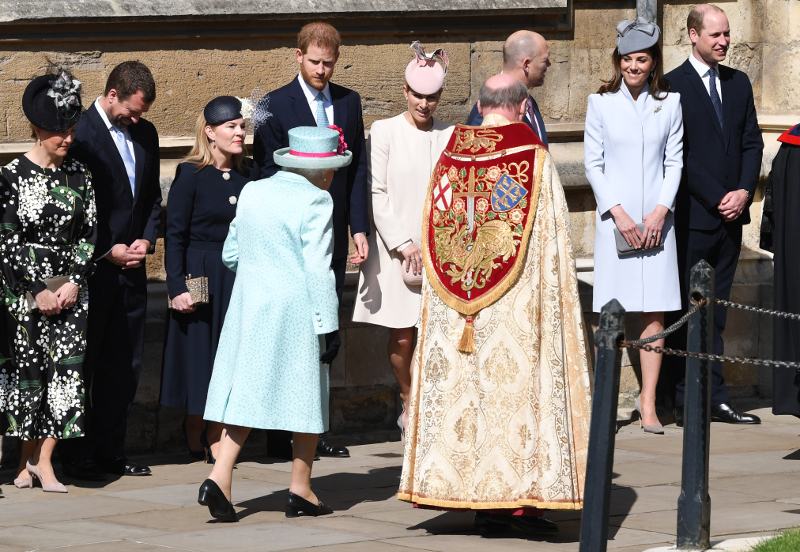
x=226 y=176
x=657 y=109
x=232 y=199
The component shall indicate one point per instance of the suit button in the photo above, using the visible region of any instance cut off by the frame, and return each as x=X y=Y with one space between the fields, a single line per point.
x=727 y=177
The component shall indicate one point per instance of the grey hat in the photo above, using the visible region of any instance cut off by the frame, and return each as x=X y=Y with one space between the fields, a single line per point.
x=636 y=36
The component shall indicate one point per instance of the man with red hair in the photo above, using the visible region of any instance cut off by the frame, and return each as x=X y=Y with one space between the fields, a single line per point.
x=311 y=100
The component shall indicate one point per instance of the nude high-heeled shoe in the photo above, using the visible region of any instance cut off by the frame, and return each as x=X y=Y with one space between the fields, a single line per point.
x=657 y=429
x=24 y=482
x=46 y=487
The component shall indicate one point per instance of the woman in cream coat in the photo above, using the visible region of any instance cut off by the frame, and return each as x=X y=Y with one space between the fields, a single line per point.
x=633 y=148
x=403 y=151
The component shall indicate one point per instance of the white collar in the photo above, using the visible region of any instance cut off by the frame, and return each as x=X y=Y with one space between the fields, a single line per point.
x=700 y=67
x=312 y=93
x=102 y=113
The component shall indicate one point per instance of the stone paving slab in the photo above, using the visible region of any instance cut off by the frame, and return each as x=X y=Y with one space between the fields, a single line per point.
x=755 y=490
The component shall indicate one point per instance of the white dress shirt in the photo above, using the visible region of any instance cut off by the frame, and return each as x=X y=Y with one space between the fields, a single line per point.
x=702 y=70
x=108 y=124
x=311 y=95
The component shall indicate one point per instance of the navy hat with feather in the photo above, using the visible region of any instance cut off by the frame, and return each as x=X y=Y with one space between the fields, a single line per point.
x=222 y=109
x=52 y=102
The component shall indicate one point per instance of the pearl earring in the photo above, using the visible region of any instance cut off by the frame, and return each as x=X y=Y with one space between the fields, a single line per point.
x=39 y=141
x=213 y=143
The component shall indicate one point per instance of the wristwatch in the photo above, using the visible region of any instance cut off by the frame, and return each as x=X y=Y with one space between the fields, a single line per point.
x=749 y=194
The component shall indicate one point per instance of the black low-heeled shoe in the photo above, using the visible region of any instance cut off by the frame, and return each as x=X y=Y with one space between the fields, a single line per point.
x=218 y=506
x=296 y=504
x=207 y=448
x=196 y=454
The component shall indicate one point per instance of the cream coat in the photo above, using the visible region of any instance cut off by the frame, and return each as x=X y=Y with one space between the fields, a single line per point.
x=401 y=160
x=633 y=155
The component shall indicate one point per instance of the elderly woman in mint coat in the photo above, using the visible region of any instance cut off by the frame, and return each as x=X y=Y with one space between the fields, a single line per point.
x=633 y=154
x=267 y=373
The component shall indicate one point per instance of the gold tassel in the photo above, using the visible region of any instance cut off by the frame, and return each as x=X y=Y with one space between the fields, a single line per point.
x=467 y=344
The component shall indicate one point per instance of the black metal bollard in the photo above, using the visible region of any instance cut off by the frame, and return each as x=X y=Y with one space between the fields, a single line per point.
x=597 y=492
x=694 y=504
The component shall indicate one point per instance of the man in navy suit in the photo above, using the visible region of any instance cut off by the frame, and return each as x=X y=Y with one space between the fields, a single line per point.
x=121 y=150
x=526 y=57
x=311 y=100
x=722 y=150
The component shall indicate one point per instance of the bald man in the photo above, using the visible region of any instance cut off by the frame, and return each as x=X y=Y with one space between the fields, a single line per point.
x=526 y=57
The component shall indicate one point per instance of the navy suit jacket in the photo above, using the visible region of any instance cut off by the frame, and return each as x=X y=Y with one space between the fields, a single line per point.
x=475 y=119
x=715 y=160
x=122 y=217
x=349 y=188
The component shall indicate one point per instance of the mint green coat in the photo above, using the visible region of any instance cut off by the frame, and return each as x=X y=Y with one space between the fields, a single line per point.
x=267 y=372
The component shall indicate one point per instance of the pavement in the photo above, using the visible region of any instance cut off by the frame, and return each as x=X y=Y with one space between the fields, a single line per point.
x=755 y=491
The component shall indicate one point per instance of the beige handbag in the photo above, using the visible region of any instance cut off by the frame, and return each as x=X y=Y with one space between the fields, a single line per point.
x=198 y=289
x=52 y=284
x=411 y=279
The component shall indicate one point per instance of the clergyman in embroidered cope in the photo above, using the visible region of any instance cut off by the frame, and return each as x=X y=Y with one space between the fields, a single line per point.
x=506 y=425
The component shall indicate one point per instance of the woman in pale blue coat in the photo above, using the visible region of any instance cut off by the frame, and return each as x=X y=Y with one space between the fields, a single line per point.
x=267 y=372
x=633 y=153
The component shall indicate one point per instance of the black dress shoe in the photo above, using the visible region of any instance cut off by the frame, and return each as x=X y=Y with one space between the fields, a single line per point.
x=486 y=522
x=206 y=453
x=218 y=506
x=296 y=504
x=122 y=466
x=84 y=470
x=678 y=413
x=726 y=413
x=326 y=448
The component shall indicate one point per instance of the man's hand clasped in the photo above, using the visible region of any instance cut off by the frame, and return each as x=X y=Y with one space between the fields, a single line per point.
x=732 y=205
x=129 y=257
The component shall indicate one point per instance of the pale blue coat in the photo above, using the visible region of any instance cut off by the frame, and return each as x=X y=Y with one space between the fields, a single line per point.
x=633 y=155
x=267 y=372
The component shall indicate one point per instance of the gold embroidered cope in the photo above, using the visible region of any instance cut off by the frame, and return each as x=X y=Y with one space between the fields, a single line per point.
x=506 y=426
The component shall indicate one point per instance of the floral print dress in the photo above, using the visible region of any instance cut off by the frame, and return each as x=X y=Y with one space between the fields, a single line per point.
x=47 y=228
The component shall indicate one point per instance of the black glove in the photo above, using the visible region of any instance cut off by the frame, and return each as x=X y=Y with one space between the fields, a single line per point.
x=332 y=344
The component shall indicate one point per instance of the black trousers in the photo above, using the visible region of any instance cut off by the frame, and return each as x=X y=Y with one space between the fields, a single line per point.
x=720 y=248
x=117 y=310
x=279 y=441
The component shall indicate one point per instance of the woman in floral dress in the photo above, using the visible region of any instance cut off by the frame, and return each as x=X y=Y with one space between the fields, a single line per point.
x=47 y=230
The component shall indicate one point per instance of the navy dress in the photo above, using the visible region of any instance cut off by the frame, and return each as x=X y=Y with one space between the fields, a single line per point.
x=202 y=204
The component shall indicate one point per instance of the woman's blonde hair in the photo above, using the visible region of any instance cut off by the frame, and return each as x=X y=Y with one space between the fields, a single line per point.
x=201 y=154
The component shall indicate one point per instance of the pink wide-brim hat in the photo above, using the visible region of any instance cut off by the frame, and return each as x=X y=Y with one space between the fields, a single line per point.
x=425 y=76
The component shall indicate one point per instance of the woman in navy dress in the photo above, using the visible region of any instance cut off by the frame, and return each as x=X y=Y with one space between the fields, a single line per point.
x=202 y=204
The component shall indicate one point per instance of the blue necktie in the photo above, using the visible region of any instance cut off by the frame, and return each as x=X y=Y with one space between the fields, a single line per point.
x=712 y=91
x=322 y=117
x=127 y=157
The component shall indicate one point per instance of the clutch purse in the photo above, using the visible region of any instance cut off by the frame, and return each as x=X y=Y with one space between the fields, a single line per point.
x=411 y=279
x=624 y=250
x=198 y=289
x=52 y=284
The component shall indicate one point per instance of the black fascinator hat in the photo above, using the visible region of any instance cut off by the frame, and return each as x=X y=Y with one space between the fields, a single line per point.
x=52 y=102
x=222 y=109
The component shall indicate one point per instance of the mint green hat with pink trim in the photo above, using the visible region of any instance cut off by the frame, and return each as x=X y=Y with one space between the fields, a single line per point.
x=314 y=148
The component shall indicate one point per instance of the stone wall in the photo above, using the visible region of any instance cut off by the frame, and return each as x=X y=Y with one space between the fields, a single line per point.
x=198 y=50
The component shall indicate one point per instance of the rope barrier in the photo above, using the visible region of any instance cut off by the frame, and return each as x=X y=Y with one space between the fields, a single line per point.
x=645 y=344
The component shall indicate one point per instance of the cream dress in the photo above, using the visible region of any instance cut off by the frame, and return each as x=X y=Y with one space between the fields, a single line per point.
x=401 y=160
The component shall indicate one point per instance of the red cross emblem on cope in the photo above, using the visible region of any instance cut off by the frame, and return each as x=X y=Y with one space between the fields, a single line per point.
x=443 y=194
